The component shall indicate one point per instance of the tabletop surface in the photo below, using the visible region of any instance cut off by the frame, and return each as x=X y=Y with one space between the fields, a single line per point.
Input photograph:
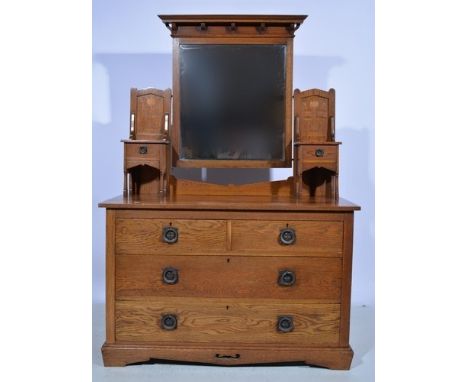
x=223 y=203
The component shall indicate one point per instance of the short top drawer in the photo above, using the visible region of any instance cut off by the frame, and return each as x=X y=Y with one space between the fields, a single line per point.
x=164 y=236
x=306 y=237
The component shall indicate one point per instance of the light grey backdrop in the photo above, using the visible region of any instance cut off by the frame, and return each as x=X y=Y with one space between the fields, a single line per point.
x=333 y=48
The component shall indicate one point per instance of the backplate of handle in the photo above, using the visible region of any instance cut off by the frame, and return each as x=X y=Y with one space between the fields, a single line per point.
x=170 y=275
x=285 y=324
x=169 y=321
x=319 y=153
x=287 y=236
x=286 y=277
x=170 y=234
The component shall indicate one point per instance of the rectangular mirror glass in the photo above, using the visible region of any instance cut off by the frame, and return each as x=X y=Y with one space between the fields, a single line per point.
x=232 y=101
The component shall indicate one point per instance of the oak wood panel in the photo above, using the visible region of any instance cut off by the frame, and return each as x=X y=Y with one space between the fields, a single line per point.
x=232 y=26
x=311 y=236
x=144 y=236
x=314 y=110
x=122 y=354
x=241 y=31
x=149 y=107
x=227 y=320
x=110 y=276
x=347 y=277
x=190 y=187
x=329 y=152
x=230 y=277
x=307 y=157
x=228 y=163
x=152 y=149
x=226 y=215
x=133 y=156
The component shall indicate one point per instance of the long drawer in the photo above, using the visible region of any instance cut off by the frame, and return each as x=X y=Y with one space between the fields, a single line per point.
x=229 y=276
x=227 y=321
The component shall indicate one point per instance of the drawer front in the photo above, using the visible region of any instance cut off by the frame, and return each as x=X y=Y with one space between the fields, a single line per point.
x=314 y=238
x=320 y=153
x=142 y=154
x=317 y=279
x=142 y=150
x=227 y=320
x=149 y=236
x=311 y=156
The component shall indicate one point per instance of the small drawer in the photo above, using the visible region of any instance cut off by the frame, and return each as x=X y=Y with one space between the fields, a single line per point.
x=319 y=156
x=308 y=238
x=319 y=152
x=143 y=153
x=314 y=279
x=191 y=320
x=170 y=237
x=143 y=150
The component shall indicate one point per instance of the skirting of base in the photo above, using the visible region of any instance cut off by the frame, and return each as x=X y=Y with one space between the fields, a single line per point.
x=118 y=354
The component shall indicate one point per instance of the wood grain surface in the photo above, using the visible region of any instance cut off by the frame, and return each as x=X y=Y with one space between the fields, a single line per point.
x=313 y=111
x=110 y=276
x=190 y=187
x=317 y=279
x=144 y=236
x=311 y=236
x=149 y=107
x=230 y=203
x=227 y=320
x=226 y=354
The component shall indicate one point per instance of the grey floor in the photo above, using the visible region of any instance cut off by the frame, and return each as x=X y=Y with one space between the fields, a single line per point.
x=362 y=368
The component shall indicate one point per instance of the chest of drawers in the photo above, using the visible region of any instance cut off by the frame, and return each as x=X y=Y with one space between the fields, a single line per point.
x=228 y=280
